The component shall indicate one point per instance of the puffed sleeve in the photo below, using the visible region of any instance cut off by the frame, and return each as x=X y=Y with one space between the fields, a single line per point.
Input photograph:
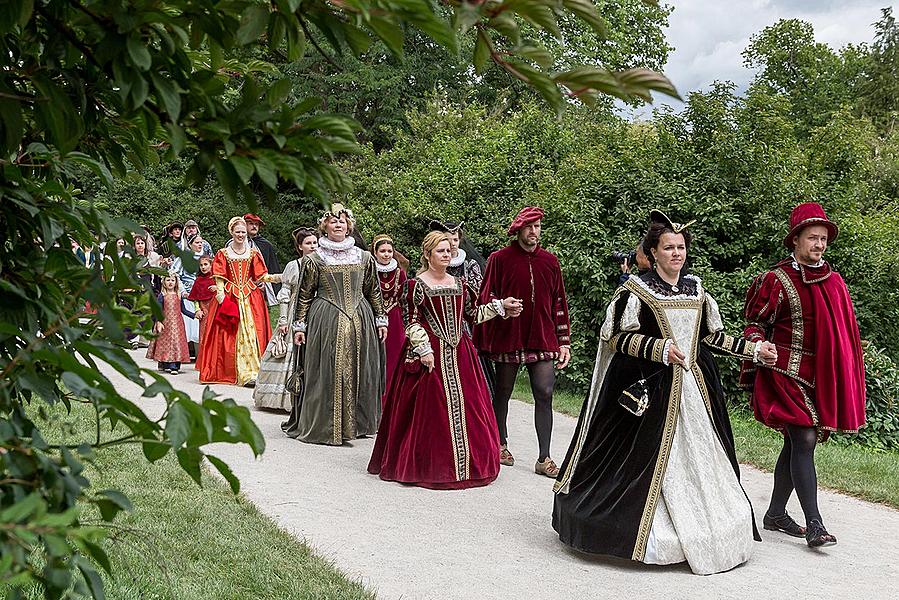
x=621 y=330
x=410 y=302
x=720 y=342
x=371 y=289
x=308 y=286
x=763 y=302
x=289 y=281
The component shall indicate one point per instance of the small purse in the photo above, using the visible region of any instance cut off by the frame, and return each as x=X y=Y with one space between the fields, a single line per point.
x=635 y=398
x=279 y=346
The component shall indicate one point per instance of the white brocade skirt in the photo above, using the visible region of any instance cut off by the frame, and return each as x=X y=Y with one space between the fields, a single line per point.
x=191 y=326
x=703 y=516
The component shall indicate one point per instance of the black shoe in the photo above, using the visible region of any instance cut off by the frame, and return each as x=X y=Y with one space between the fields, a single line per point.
x=784 y=523
x=817 y=537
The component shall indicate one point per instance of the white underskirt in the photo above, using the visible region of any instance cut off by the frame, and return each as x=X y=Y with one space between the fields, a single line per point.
x=702 y=516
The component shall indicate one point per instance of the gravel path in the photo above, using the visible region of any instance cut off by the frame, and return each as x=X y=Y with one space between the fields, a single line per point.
x=498 y=542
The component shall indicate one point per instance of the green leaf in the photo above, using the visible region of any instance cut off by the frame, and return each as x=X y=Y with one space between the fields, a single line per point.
x=296 y=42
x=279 y=91
x=111 y=503
x=253 y=22
x=389 y=32
x=171 y=98
x=189 y=459
x=481 y=52
x=266 y=171
x=226 y=472
x=21 y=510
x=140 y=56
x=587 y=11
x=243 y=166
x=177 y=424
x=155 y=450
x=94 y=582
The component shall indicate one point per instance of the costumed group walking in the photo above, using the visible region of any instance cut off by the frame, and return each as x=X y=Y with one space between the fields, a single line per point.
x=428 y=363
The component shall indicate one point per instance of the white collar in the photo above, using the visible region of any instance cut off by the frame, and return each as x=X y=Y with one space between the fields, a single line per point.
x=699 y=290
x=820 y=263
x=324 y=242
x=458 y=259
x=388 y=268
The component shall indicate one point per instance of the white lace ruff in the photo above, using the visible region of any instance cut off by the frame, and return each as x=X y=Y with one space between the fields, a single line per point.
x=458 y=259
x=339 y=253
x=388 y=268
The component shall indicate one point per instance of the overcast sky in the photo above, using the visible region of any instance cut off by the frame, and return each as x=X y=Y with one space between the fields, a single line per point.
x=708 y=36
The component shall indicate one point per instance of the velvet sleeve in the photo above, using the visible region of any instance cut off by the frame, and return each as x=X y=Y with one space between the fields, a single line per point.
x=560 y=312
x=308 y=285
x=763 y=302
x=371 y=289
x=410 y=302
x=487 y=291
x=622 y=330
x=478 y=313
x=713 y=336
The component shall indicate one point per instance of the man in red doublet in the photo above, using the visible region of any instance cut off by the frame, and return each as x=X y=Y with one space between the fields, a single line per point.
x=817 y=385
x=539 y=338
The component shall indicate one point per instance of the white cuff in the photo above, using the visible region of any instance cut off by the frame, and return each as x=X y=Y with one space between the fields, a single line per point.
x=755 y=353
x=498 y=307
x=424 y=349
x=298 y=326
x=382 y=321
x=665 y=351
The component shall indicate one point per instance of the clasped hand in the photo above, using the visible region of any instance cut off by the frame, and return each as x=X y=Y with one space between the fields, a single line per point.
x=512 y=306
x=768 y=354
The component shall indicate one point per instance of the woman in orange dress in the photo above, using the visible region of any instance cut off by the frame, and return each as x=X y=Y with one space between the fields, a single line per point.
x=238 y=327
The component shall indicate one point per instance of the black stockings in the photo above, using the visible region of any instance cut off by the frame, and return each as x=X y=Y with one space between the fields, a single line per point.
x=796 y=468
x=542 y=376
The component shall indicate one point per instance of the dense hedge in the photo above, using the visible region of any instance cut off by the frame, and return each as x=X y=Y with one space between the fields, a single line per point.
x=734 y=164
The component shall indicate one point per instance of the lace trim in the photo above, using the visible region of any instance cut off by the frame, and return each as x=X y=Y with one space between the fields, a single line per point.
x=459 y=259
x=388 y=268
x=639 y=281
x=339 y=253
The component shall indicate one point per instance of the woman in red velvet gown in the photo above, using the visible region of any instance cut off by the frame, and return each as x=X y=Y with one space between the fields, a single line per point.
x=391 y=277
x=238 y=327
x=438 y=429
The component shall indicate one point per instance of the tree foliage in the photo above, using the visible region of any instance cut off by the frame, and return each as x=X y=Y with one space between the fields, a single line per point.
x=90 y=89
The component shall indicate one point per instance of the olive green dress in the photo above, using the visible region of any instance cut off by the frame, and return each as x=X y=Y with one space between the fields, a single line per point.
x=339 y=307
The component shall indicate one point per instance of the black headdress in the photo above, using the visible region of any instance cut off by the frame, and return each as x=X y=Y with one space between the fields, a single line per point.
x=464 y=243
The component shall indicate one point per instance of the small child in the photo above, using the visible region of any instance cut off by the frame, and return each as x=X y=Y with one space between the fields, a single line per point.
x=169 y=348
x=203 y=293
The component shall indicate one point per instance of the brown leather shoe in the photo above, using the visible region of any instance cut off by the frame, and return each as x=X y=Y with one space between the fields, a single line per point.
x=505 y=457
x=547 y=467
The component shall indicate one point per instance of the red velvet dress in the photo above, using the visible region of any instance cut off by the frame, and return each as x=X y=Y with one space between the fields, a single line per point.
x=438 y=429
x=819 y=378
x=391 y=289
x=232 y=347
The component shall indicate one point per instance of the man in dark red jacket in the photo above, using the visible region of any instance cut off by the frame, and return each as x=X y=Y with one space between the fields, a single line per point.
x=817 y=385
x=537 y=339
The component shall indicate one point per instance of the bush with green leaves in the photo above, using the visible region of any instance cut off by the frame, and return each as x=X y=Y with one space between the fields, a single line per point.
x=91 y=89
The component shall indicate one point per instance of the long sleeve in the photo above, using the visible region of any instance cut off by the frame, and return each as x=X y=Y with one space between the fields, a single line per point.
x=473 y=276
x=371 y=289
x=289 y=280
x=488 y=285
x=718 y=341
x=763 y=302
x=308 y=285
x=418 y=336
x=621 y=329
x=560 y=313
x=479 y=313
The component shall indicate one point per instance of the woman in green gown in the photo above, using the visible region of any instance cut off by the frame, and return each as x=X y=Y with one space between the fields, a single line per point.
x=340 y=317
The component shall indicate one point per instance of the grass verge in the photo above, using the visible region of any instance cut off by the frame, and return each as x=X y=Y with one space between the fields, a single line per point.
x=185 y=542
x=854 y=470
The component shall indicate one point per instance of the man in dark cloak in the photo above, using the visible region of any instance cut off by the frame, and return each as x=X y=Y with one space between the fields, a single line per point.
x=269 y=255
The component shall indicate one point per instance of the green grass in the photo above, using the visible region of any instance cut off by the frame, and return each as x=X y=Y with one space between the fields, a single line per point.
x=185 y=542
x=854 y=470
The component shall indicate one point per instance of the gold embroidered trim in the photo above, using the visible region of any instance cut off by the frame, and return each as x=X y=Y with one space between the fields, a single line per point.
x=798 y=333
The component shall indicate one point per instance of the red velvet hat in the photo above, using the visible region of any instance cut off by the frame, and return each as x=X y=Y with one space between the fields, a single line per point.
x=806 y=214
x=526 y=216
x=251 y=217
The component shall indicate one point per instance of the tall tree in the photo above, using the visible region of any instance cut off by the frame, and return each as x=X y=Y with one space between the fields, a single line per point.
x=103 y=85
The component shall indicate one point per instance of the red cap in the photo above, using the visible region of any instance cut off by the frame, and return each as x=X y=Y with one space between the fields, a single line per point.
x=526 y=216
x=806 y=215
x=251 y=217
